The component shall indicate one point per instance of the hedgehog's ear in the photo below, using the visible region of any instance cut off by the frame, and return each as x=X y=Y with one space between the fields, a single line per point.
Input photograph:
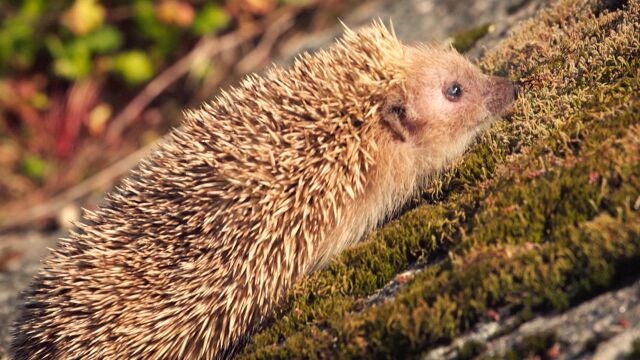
x=394 y=116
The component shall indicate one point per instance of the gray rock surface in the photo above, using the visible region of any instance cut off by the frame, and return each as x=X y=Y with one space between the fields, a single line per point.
x=610 y=323
x=20 y=256
x=427 y=21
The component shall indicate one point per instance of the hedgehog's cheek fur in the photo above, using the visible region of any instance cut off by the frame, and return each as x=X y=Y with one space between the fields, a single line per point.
x=441 y=132
x=396 y=118
x=431 y=138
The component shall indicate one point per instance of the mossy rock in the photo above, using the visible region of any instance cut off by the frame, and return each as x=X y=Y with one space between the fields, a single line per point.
x=540 y=215
x=465 y=40
x=635 y=350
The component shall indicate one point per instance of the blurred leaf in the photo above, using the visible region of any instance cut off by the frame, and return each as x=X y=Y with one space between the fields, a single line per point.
x=210 y=19
x=98 y=118
x=72 y=68
x=175 y=12
x=40 y=100
x=164 y=37
x=34 y=167
x=55 y=46
x=71 y=61
x=84 y=16
x=145 y=16
x=103 y=40
x=32 y=8
x=134 y=66
x=18 y=44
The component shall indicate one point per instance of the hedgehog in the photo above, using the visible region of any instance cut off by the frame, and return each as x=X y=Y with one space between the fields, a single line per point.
x=265 y=184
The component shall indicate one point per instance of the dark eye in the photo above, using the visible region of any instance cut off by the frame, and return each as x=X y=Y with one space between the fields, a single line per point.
x=453 y=92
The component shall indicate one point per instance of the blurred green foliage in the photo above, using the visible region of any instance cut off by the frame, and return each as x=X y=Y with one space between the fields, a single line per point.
x=635 y=350
x=210 y=19
x=17 y=41
x=75 y=39
x=134 y=66
x=34 y=167
x=68 y=68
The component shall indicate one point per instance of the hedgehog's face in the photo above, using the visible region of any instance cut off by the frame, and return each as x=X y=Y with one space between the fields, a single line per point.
x=448 y=102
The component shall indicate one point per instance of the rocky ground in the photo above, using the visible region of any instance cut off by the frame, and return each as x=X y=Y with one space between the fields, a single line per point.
x=20 y=256
x=603 y=327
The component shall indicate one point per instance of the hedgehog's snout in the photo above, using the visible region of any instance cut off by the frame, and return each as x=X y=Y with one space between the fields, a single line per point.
x=501 y=95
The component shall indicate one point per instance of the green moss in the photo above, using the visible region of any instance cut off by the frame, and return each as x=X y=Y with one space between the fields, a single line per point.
x=534 y=346
x=464 y=40
x=635 y=350
x=471 y=349
x=537 y=217
x=592 y=344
